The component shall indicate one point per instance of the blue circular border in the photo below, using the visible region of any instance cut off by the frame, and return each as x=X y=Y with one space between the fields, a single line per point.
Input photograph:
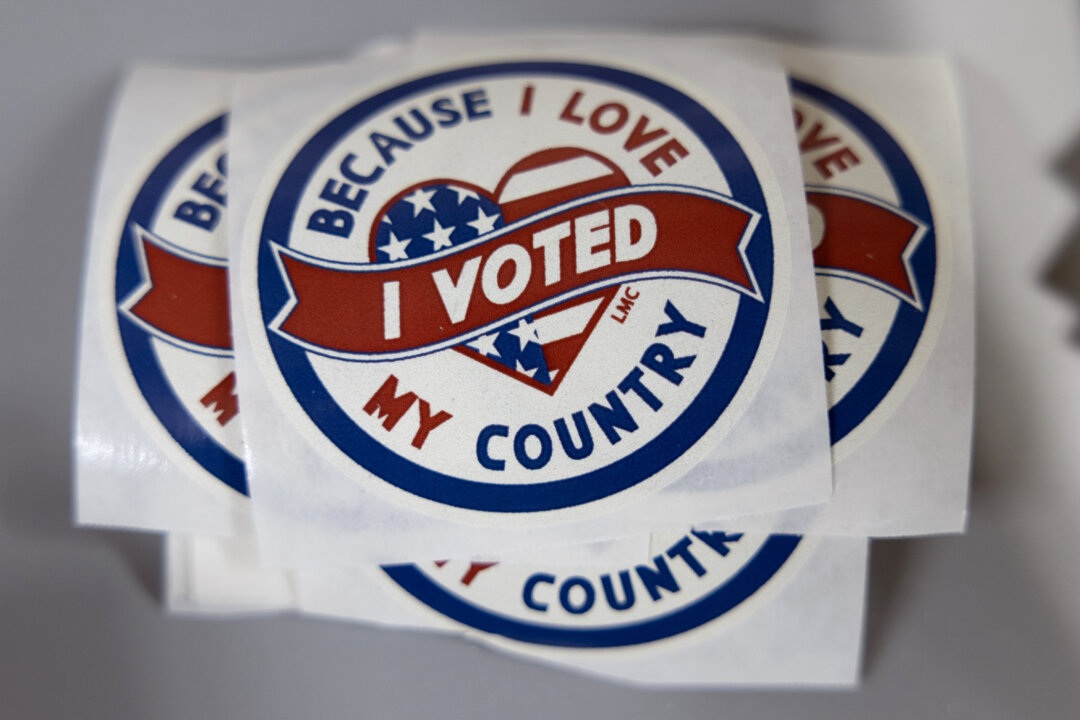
x=765 y=563
x=676 y=439
x=138 y=348
x=907 y=327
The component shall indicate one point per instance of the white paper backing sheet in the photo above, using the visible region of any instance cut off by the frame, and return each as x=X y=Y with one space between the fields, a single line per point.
x=802 y=628
x=906 y=470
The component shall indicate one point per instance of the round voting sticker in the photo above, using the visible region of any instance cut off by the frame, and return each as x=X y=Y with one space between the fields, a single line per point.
x=520 y=288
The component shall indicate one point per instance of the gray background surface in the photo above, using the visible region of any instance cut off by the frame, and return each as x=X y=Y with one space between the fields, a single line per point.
x=981 y=626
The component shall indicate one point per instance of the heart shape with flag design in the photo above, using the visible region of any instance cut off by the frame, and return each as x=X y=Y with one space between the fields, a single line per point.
x=538 y=349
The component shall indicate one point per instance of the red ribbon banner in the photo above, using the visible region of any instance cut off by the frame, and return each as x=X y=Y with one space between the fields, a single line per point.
x=371 y=310
x=866 y=238
x=185 y=297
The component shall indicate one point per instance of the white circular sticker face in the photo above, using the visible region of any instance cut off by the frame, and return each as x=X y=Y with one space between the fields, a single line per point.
x=520 y=288
x=171 y=304
x=881 y=263
x=694 y=579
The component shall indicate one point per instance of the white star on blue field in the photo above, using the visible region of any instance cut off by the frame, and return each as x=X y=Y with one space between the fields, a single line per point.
x=442 y=215
x=432 y=218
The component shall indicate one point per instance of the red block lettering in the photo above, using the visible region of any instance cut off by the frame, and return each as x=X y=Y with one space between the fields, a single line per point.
x=222 y=399
x=389 y=404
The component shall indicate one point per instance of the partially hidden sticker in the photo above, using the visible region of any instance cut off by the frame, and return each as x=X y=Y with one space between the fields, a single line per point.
x=696 y=578
x=171 y=302
x=520 y=287
x=881 y=266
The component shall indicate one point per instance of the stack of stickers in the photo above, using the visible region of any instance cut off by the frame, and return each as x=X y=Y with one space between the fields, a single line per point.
x=573 y=344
